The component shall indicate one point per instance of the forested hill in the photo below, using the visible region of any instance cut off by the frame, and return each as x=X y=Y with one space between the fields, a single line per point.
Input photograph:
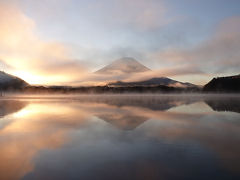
x=224 y=84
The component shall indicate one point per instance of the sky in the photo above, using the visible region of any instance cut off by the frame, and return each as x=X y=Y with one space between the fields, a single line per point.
x=63 y=41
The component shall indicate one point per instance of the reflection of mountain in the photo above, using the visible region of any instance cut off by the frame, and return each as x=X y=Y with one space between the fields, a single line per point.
x=224 y=104
x=157 y=103
x=124 y=112
x=123 y=121
x=10 y=106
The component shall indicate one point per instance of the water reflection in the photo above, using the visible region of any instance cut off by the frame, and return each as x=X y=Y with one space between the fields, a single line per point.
x=10 y=106
x=121 y=137
x=224 y=104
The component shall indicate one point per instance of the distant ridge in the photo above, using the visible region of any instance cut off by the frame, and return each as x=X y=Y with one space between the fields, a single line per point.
x=123 y=65
x=153 y=82
x=223 y=84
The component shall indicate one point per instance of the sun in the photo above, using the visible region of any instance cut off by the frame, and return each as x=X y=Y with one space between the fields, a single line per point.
x=30 y=77
x=42 y=79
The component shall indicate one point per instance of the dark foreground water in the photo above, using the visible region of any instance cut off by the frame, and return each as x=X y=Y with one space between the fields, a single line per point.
x=120 y=137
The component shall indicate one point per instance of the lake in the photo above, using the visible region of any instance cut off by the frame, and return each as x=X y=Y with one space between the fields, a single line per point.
x=94 y=137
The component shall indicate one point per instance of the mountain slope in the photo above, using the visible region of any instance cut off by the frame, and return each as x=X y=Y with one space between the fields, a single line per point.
x=123 y=65
x=9 y=82
x=223 y=84
x=127 y=66
x=154 y=82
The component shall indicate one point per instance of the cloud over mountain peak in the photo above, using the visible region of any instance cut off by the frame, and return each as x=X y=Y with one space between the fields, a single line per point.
x=122 y=66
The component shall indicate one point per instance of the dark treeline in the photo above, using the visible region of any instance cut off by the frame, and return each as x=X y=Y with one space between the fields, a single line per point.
x=13 y=85
x=230 y=84
x=107 y=89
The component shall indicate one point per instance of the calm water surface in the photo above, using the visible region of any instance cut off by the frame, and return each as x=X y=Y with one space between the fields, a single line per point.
x=120 y=137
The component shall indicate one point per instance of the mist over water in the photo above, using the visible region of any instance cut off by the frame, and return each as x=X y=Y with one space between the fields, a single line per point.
x=120 y=137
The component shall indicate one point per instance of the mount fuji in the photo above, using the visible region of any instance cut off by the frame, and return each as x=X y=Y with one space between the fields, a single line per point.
x=123 y=65
x=128 y=65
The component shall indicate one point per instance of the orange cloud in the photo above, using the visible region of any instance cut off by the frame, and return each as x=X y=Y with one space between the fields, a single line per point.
x=27 y=56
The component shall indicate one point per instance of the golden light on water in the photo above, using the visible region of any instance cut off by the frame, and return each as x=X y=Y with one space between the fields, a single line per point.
x=33 y=125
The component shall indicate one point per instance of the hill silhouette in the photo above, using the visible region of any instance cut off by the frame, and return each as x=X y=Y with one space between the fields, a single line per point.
x=229 y=84
x=10 y=82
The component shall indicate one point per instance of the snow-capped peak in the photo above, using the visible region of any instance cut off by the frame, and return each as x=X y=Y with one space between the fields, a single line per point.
x=123 y=65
